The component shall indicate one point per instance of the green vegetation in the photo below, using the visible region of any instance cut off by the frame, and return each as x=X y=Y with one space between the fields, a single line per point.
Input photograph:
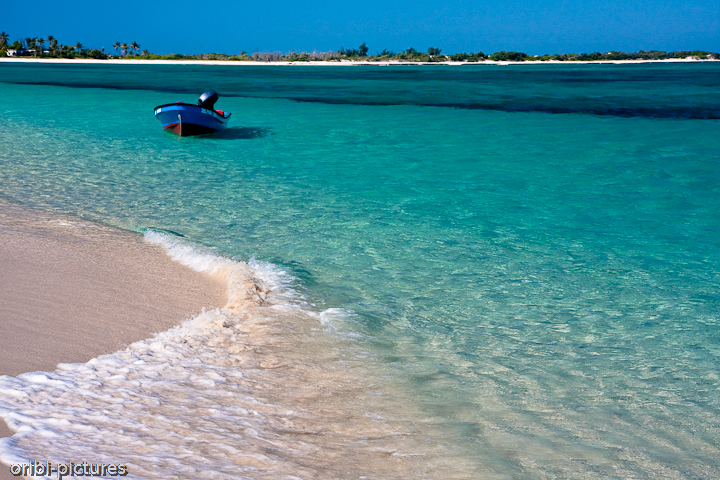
x=503 y=56
x=50 y=48
x=361 y=51
x=612 y=56
x=467 y=57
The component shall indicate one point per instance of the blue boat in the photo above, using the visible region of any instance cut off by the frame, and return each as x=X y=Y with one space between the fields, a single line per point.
x=185 y=119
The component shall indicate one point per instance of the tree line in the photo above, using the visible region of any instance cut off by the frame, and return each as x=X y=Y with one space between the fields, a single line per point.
x=607 y=56
x=361 y=53
x=435 y=54
x=50 y=47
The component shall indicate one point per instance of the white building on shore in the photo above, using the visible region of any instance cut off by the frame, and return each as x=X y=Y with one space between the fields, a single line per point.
x=20 y=53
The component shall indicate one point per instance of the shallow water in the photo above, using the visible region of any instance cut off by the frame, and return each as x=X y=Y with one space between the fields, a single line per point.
x=529 y=255
x=261 y=388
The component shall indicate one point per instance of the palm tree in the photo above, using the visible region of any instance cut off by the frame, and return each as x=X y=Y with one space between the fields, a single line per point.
x=40 y=44
x=124 y=49
x=146 y=53
x=53 y=44
x=135 y=46
x=116 y=45
x=79 y=47
x=3 y=39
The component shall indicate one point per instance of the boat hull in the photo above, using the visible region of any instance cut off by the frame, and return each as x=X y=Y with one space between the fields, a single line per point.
x=184 y=119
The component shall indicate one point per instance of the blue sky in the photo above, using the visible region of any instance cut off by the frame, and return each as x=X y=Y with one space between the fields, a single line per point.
x=534 y=27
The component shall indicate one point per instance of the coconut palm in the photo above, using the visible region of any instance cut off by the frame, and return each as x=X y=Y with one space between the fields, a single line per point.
x=116 y=46
x=3 y=39
x=146 y=53
x=135 y=46
x=40 y=46
x=79 y=47
x=53 y=44
x=124 y=49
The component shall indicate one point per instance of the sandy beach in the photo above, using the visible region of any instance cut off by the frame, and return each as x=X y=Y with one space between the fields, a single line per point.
x=71 y=290
x=345 y=63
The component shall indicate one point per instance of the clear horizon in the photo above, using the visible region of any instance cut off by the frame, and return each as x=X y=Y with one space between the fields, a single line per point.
x=556 y=26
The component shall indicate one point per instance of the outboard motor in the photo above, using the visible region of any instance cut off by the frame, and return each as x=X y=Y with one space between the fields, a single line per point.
x=208 y=99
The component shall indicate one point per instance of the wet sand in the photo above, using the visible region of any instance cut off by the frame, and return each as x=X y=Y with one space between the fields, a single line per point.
x=71 y=290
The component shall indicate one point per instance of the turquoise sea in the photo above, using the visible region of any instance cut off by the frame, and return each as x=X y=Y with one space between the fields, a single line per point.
x=529 y=254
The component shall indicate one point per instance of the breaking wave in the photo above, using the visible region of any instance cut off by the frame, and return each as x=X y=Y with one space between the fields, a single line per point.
x=256 y=389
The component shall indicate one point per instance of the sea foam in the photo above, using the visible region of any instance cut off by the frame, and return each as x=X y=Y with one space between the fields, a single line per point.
x=257 y=389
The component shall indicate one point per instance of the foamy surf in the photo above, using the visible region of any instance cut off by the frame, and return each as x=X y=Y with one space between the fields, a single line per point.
x=257 y=389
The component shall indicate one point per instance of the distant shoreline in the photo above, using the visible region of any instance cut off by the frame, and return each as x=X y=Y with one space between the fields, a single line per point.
x=343 y=63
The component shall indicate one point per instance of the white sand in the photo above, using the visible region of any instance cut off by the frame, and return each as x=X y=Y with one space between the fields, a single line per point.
x=72 y=290
x=283 y=393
